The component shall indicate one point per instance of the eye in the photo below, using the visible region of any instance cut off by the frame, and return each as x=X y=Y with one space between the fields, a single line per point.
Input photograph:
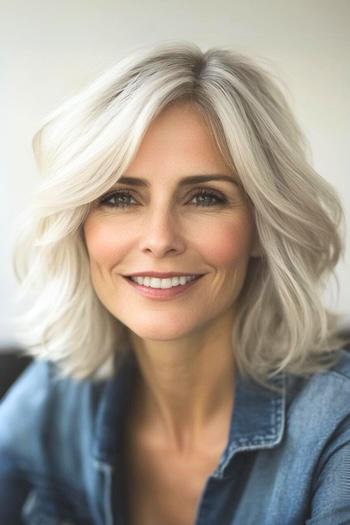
x=207 y=198
x=116 y=199
x=122 y=199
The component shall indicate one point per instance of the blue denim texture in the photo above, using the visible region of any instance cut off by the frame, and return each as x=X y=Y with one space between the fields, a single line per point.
x=287 y=459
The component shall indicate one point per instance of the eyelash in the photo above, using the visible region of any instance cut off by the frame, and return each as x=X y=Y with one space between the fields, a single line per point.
x=103 y=201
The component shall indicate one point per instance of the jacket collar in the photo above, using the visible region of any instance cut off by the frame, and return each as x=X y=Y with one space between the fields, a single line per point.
x=257 y=420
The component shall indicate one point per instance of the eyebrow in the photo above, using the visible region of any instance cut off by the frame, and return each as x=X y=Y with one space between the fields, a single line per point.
x=185 y=181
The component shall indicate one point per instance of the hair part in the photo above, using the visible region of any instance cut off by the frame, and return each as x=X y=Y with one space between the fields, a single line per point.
x=86 y=145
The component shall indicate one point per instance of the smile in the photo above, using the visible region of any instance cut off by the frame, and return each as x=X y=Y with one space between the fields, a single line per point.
x=156 y=282
x=157 y=288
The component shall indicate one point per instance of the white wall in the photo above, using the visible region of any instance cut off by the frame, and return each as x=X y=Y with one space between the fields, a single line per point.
x=49 y=50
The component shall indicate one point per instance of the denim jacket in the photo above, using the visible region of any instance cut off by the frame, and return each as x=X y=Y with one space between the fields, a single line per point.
x=286 y=462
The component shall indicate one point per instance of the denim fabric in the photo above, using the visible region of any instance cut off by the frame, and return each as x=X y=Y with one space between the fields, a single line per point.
x=287 y=459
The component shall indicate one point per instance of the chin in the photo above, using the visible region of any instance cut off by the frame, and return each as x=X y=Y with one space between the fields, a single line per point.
x=156 y=332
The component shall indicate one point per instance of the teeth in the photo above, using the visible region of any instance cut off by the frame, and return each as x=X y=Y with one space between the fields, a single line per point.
x=155 y=282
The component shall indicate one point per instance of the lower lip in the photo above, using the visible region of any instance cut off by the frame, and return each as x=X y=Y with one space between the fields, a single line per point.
x=162 y=293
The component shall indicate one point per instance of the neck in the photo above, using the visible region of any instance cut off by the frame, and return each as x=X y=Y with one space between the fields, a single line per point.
x=185 y=388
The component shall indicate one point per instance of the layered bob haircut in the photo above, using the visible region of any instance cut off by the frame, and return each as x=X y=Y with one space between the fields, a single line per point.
x=85 y=146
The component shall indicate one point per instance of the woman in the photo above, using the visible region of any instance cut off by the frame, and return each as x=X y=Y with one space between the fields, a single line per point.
x=173 y=260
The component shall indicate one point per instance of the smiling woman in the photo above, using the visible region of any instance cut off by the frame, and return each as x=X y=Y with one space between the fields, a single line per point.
x=173 y=261
x=172 y=225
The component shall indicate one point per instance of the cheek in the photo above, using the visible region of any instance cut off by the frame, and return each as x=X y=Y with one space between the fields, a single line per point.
x=104 y=243
x=229 y=243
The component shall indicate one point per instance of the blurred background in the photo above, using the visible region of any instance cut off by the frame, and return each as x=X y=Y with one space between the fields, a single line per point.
x=50 y=50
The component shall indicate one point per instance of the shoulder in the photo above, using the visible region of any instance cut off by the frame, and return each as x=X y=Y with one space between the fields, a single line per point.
x=341 y=370
x=38 y=410
x=29 y=393
x=331 y=383
x=41 y=388
x=319 y=405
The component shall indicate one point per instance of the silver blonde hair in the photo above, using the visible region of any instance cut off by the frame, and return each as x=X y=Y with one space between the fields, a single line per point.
x=86 y=145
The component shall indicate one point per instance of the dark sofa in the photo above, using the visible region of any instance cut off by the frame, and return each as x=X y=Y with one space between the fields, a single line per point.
x=12 y=363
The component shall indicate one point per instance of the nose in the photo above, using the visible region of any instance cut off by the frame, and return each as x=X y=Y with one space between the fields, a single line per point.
x=161 y=233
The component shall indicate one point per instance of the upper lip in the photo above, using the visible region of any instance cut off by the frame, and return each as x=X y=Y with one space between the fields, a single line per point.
x=161 y=274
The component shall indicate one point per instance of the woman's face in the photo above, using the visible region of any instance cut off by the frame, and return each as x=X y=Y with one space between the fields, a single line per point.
x=168 y=223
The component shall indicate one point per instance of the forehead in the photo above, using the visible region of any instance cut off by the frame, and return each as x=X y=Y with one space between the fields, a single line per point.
x=178 y=142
